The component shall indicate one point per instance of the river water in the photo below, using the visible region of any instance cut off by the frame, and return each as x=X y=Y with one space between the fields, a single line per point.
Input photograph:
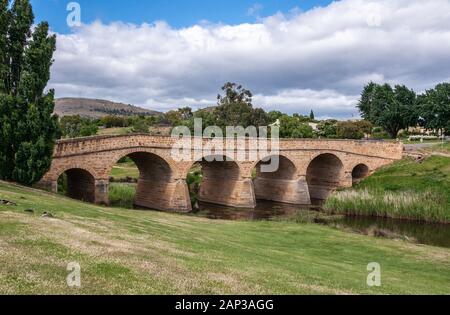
x=419 y=232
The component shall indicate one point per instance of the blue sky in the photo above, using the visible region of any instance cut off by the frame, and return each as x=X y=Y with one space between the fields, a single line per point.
x=178 y=13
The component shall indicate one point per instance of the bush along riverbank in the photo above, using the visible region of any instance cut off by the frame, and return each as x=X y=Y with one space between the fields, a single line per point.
x=404 y=190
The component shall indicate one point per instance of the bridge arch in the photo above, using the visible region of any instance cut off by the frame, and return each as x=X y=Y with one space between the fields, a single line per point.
x=324 y=175
x=77 y=183
x=221 y=182
x=286 y=168
x=359 y=172
x=141 y=151
x=155 y=178
x=282 y=185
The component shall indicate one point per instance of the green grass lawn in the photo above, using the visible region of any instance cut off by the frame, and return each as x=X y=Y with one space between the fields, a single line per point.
x=407 y=189
x=441 y=147
x=124 y=170
x=145 y=252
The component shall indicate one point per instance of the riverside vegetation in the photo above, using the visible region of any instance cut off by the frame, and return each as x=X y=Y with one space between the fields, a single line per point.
x=405 y=190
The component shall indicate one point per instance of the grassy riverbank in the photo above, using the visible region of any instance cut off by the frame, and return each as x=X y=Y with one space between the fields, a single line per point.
x=122 y=195
x=441 y=148
x=134 y=252
x=406 y=189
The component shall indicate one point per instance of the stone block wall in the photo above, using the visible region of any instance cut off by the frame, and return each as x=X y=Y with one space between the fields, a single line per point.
x=309 y=168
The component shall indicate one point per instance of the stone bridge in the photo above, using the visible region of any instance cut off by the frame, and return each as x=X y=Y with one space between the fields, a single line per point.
x=308 y=170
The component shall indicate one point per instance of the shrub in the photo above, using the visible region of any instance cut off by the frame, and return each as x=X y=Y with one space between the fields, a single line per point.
x=122 y=195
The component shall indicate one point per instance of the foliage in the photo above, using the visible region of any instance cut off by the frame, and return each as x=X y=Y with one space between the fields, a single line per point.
x=292 y=127
x=328 y=128
x=76 y=126
x=174 y=117
x=112 y=121
x=193 y=181
x=312 y=116
x=27 y=125
x=348 y=130
x=140 y=125
x=391 y=108
x=186 y=113
x=235 y=108
x=122 y=195
x=406 y=189
x=353 y=129
x=273 y=116
x=434 y=107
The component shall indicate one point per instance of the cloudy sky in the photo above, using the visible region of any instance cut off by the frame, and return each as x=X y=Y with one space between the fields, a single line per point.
x=293 y=55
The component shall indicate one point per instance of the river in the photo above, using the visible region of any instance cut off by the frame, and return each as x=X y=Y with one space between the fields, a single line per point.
x=419 y=232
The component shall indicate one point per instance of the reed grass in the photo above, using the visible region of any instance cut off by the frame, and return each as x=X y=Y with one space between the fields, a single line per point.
x=405 y=190
x=122 y=195
x=426 y=206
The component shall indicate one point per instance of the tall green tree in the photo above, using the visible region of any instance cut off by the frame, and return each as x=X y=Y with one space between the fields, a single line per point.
x=387 y=107
x=235 y=108
x=434 y=107
x=27 y=124
x=4 y=23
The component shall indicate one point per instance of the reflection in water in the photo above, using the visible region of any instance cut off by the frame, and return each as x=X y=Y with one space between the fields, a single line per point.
x=430 y=234
x=265 y=210
x=423 y=233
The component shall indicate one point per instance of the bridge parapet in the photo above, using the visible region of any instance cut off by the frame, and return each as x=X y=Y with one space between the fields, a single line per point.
x=80 y=146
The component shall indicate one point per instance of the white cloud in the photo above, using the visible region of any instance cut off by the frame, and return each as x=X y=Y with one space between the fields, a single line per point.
x=331 y=103
x=317 y=59
x=255 y=9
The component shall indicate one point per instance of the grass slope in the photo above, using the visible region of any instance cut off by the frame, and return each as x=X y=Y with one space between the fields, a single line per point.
x=125 y=170
x=144 y=252
x=441 y=148
x=407 y=189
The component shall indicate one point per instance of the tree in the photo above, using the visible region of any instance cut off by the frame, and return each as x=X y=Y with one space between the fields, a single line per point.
x=312 y=116
x=365 y=104
x=234 y=93
x=273 y=116
x=186 y=113
x=434 y=107
x=28 y=126
x=140 y=125
x=328 y=129
x=349 y=130
x=291 y=127
x=235 y=108
x=112 y=121
x=76 y=126
x=365 y=126
x=392 y=109
x=174 y=117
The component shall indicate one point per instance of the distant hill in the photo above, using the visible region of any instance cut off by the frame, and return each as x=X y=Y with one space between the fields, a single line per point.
x=94 y=108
